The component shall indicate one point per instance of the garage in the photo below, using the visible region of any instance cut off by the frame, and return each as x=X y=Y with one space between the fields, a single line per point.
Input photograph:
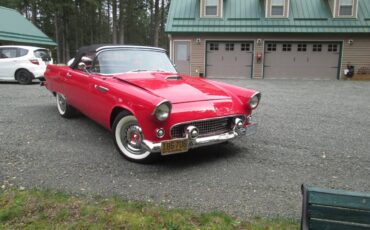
x=308 y=61
x=229 y=59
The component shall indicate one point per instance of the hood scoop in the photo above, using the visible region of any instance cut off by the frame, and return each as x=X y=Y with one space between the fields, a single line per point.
x=174 y=78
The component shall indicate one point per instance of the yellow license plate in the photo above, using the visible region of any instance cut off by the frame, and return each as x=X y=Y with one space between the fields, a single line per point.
x=174 y=146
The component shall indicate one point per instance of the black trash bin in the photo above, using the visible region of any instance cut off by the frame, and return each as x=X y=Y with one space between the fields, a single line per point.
x=351 y=71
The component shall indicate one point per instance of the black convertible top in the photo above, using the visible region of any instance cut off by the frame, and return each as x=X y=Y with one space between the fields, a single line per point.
x=91 y=51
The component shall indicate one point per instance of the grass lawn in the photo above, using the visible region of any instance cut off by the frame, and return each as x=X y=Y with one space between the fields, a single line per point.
x=43 y=209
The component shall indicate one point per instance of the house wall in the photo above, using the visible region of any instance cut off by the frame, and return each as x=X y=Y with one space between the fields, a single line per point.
x=357 y=53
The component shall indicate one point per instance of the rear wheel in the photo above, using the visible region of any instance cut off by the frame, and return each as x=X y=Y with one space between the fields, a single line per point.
x=64 y=109
x=128 y=139
x=24 y=77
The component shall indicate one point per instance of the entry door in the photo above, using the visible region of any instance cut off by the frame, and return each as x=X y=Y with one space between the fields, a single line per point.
x=182 y=56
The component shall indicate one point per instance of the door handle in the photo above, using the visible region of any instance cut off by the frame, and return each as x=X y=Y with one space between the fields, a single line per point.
x=101 y=88
x=69 y=74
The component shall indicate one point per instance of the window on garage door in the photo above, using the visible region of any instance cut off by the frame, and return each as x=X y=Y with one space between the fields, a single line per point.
x=333 y=48
x=302 y=47
x=245 y=47
x=271 y=47
x=213 y=46
x=317 y=48
x=229 y=46
x=287 y=47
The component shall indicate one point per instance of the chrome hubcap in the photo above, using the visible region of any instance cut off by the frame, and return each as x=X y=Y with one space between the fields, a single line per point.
x=132 y=138
x=62 y=103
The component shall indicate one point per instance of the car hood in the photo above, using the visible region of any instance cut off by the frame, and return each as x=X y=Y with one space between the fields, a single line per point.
x=176 y=88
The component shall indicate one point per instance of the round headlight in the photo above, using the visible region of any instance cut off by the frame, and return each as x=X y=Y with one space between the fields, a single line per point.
x=162 y=111
x=255 y=100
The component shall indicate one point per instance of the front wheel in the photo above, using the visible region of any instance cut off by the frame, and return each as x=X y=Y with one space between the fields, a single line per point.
x=128 y=139
x=64 y=109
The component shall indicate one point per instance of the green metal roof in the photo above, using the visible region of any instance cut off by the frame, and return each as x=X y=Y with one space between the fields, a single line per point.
x=16 y=28
x=248 y=16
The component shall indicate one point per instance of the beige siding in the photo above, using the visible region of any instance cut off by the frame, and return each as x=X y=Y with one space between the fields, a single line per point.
x=357 y=54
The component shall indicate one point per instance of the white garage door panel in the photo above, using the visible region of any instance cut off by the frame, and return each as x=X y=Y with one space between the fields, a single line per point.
x=301 y=60
x=229 y=59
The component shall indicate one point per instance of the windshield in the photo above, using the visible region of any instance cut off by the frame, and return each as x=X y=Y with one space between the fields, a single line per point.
x=123 y=61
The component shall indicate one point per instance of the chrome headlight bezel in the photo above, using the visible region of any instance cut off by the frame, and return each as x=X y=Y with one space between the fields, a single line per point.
x=254 y=100
x=163 y=110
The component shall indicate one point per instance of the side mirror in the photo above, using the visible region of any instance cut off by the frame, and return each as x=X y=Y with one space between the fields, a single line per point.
x=82 y=67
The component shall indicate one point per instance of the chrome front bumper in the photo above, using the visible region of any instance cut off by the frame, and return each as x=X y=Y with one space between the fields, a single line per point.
x=206 y=141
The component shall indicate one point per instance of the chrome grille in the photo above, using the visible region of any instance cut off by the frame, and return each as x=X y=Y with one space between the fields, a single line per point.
x=205 y=127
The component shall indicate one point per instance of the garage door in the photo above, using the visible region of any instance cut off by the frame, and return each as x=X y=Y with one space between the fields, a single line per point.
x=229 y=59
x=302 y=60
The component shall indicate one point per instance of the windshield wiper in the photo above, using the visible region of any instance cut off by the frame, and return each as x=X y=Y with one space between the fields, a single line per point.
x=159 y=70
x=137 y=70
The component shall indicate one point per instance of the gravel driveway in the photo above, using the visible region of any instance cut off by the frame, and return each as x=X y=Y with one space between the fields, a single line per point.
x=314 y=132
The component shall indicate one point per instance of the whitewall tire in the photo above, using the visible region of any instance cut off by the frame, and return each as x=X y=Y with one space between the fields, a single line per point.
x=128 y=139
x=64 y=109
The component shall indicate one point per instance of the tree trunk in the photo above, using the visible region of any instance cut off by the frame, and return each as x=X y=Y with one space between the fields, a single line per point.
x=151 y=23
x=114 y=22
x=34 y=12
x=56 y=28
x=156 y=23
x=121 y=22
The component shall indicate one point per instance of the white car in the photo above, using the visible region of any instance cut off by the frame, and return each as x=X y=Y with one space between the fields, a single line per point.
x=23 y=63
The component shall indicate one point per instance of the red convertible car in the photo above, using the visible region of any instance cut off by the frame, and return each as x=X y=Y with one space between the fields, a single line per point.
x=151 y=110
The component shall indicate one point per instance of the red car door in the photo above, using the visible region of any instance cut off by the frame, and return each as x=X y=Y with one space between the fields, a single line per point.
x=89 y=94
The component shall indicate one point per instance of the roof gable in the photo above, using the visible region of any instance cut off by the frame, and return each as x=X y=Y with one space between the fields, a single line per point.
x=15 y=27
x=305 y=16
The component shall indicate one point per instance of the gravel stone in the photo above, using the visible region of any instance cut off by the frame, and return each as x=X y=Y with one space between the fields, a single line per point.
x=313 y=132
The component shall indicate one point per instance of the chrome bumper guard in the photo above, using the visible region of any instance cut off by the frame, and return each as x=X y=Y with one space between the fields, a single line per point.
x=206 y=141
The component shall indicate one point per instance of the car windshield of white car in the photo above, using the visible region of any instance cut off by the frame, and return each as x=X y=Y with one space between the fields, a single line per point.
x=123 y=61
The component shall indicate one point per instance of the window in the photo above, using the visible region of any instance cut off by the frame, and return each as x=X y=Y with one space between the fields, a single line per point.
x=277 y=7
x=345 y=7
x=43 y=54
x=287 y=47
x=271 y=47
x=22 y=52
x=229 y=47
x=213 y=47
x=317 y=48
x=211 y=7
x=182 y=52
x=302 y=48
x=9 y=53
x=333 y=48
x=245 y=47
